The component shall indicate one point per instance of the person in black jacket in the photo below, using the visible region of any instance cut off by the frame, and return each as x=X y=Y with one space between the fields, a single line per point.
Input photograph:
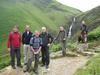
x=26 y=44
x=47 y=40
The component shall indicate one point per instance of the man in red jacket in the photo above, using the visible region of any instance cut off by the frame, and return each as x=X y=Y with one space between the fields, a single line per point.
x=14 y=42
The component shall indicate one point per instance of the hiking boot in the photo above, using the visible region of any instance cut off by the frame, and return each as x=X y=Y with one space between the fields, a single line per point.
x=20 y=66
x=35 y=71
x=64 y=53
x=47 y=67
x=42 y=65
x=13 y=67
x=25 y=69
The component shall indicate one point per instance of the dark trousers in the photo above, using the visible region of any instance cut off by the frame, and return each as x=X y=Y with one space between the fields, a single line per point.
x=15 y=52
x=36 y=58
x=45 y=55
x=63 y=46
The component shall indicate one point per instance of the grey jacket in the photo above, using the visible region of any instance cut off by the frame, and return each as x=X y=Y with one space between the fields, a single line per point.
x=61 y=36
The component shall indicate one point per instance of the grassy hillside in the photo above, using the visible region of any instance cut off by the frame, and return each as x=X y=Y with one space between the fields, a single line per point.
x=91 y=17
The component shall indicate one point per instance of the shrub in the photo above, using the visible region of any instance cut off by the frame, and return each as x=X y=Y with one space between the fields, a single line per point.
x=94 y=35
x=55 y=48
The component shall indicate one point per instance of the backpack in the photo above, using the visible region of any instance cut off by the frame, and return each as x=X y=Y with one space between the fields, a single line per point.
x=34 y=40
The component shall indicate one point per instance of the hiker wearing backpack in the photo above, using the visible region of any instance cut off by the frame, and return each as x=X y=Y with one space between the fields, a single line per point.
x=61 y=37
x=36 y=44
x=26 y=45
x=47 y=40
x=84 y=31
x=14 y=43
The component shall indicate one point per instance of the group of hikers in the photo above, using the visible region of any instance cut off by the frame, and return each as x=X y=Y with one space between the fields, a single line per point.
x=33 y=45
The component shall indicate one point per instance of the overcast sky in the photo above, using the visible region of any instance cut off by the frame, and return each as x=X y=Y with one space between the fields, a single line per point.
x=83 y=5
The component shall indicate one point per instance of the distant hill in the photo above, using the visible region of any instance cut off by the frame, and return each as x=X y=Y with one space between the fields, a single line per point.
x=92 y=19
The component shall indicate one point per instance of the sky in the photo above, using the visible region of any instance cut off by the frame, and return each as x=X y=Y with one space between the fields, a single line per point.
x=83 y=5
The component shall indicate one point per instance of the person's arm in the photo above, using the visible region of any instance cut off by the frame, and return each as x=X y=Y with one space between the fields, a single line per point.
x=32 y=49
x=38 y=50
x=23 y=36
x=20 y=39
x=9 y=42
x=65 y=35
x=57 y=36
x=50 y=38
x=81 y=27
x=31 y=44
x=41 y=43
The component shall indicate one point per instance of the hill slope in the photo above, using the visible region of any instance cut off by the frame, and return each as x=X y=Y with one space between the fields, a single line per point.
x=36 y=13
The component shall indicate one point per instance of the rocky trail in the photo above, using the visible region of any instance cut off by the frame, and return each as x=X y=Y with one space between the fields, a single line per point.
x=60 y=66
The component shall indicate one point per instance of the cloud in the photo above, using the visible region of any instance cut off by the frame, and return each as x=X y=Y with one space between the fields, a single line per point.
x=83 y=5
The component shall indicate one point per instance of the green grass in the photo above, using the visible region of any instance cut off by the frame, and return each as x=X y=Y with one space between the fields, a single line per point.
x=95 y=34
x=55 y=47
x=4 y=61
x=91 y=68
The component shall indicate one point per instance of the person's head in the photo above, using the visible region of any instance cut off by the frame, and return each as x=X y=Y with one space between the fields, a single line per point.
x=61 y=28
x=44 y=29
x=27 y=28
x=15 y=28
x=83 y=22
x=37 y=33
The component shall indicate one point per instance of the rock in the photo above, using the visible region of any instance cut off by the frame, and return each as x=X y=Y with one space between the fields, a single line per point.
x=59 y=54
x=82 y=47
x=72 y=54
x=56 y=54
x=88 y=53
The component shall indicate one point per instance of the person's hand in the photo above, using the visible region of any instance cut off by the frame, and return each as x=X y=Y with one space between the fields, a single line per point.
x=28 y=46
x=49 y=44
x=36 y=52
x=54 y=38
x=9 y=49
x=64 y=39
x=32 y=50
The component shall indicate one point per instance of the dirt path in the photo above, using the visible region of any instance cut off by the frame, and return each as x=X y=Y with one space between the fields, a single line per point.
x=66 y=66
x=61 y=66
